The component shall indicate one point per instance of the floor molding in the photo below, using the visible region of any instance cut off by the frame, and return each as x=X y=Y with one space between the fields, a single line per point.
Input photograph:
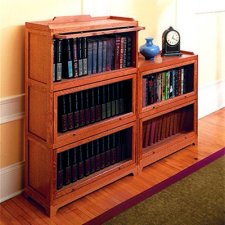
x=11 y=181
x=155 y=189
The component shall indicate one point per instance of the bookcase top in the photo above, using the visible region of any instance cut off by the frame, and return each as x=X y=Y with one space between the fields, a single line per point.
x=164 y=61
x=68 y=24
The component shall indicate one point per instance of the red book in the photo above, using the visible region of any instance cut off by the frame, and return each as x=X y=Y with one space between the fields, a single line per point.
x=117 y=52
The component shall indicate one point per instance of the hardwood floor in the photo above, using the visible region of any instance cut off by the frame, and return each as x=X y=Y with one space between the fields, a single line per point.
x=19 y=210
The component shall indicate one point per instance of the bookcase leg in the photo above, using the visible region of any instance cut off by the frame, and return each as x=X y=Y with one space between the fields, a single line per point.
x=51 y=211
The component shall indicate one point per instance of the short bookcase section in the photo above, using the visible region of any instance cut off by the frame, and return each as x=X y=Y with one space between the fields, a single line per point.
x=167 y=132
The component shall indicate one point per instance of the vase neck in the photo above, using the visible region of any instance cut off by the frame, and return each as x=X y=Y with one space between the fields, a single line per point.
x=149 y=41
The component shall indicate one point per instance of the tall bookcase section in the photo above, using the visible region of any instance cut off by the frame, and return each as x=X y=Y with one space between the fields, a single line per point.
x=81 y=109
x=167 y=90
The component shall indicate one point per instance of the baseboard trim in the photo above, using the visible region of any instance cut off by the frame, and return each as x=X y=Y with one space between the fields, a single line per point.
x=11 y=181
x=211 y=98
x=12 y=108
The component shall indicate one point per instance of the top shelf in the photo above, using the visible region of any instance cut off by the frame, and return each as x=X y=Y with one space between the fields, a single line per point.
x=70 y=24
x=165 y=61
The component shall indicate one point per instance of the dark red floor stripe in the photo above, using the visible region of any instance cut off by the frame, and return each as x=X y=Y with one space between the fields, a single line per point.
x=153 y=190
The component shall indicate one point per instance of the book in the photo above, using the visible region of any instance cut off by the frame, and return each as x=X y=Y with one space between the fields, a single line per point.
x=98 y=106
x=110 y=54
x=84 y=56
x=121 y=98
x=118 y=147
x=124 y=56
x=129 y=51
x=97 y=156
x=117 y=95
x=99 y=56
x=67 y=62
x=76 y=111
x=113 y=148
x=92 y=156
x=89 y=56
x=58 y=60
x=74 y=165
x=80 y=163
x=94 y=56
x=74 y=57
x=66 y=168
x=107 y=151
x=104 y=54
x=63 y=117
x=59 y=171
x=87 y=161
x=92 y=105
x=54 y=61
x=87 y=107
x=117 y=51
x=108 y=101
x=121 y=53
x=102 y=152
x=81 y=110
x=79 y=57
x=103 y=102
x=144 y=92
x=70 y=113
x=113 y=100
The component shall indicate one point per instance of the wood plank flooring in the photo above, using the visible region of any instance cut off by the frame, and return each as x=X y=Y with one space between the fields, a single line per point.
x=19 y=210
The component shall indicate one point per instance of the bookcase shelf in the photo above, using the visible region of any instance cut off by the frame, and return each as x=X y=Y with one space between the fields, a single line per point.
x=73 y=124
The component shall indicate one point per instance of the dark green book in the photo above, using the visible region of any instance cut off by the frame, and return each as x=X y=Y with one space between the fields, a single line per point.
x=66 y=168
x=108 y=101
x=103 y=102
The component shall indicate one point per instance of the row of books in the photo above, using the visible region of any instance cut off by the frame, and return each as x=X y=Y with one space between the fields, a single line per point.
x=165 y=126
x=82 y=56
x=76 y=163
x=89 y=106
x=168 y=84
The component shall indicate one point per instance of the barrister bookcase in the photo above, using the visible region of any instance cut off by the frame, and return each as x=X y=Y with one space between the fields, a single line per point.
x=81 y=120
x=93 y=112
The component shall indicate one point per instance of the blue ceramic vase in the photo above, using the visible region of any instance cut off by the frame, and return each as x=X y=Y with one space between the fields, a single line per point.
x=149 y=50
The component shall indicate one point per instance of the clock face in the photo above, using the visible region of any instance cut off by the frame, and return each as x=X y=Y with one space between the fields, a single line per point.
x=172 y=38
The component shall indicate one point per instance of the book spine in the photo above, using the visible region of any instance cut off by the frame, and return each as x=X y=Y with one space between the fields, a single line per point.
x=58 y=60
x=102 y=153
x=75 y=59
x=99 y=61
x=66 y=168
x=117 y=51
x=121 y=98
x=63 y=119
x=76 y=111
x=104 y=52
x=113 y=100
x=117 y=94
x=94 y=57
x=124 y=64
x=98 y=106
x=108 y=103
x=74 y=165
x=129 y=52
x=67 y=61
x=70 y=113
x=121 y=54
x=118 y=146
x=79 y=56
x=97 y=156
x=54 y=70
x=144 y=92
x=80 y=163
x=84 y=56
x=159 y=88
x=103 y=102
x=87 y=107
x=89 y=56
x=113 y=149
x=81 y=111
x=59 y=171
x=107 y=151
x=87 y=170
x=92 y=158
x=92 y=109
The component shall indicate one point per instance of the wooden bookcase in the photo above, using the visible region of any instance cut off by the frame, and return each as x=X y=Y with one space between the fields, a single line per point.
x=46 y=144
x=167 y=123
x=44 y=141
